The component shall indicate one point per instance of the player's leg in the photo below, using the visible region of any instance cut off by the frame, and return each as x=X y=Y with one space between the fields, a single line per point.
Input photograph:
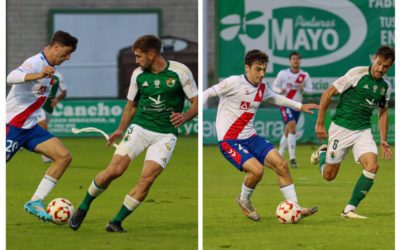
x=291 y=125
x=275 y=161
x=43 y=120
x=157 y=157
x=284 y=139
x=365 y=152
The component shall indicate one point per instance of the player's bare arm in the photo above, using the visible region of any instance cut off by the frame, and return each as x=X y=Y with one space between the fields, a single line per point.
x=47 y=71
x=383 y=126
x=324 y=103
x=177 y=119
x=60 y=97
x=129 y=112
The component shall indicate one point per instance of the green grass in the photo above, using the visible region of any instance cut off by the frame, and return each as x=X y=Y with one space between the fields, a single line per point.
x=166 y=220
x=225 y=226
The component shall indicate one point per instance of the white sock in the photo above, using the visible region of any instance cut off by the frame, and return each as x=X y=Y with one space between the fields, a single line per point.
x=131 y=203
x=289 y=193
x=95 y=190
x=349 y=208
x=292 y=145
x=283 y=144
x=44 y=188
x=246 y=193
x=46 y=159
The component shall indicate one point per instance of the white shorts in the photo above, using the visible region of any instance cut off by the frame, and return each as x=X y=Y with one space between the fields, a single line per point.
x=341 y=140
x=43 y=115
x=136 y=139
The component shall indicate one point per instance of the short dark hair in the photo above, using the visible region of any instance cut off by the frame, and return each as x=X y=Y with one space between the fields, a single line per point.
x=255 y=56
x=386 y=52
x=148 y=42
x=294 y=53
x=64 y=38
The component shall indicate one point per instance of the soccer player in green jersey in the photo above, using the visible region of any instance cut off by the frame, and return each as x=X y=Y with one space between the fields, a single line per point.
x=361 y=89
x=57 y=83
x=155 y=101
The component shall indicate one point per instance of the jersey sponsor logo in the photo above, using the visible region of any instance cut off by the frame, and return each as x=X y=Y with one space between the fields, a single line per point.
x=244 y=105
x=156 y=102
x=145 y=84
x=370 y=102
x=157 y=83
x=42 y=90
x=171 y=82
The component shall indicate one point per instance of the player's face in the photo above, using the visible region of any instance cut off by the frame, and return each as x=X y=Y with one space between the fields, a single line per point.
x=145 y=60
x=61 y=54
x=380 y=66
x=295 y=61
x=255 y=73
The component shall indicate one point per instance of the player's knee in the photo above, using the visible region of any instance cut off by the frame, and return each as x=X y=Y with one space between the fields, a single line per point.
x=258 y=173
x=115 y=171
x=65 y=158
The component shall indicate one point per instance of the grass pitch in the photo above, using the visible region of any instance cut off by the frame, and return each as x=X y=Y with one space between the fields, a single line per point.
x=167 y=219
x=225 y=226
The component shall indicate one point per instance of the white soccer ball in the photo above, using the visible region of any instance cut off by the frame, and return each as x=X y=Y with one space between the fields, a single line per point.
x=61 y=210
x=288 y=212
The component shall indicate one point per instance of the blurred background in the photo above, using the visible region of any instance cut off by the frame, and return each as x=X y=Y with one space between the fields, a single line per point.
x=331 y=36
x=98 y=74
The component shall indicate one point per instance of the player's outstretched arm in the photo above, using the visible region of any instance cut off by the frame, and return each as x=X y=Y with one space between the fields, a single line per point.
x=326 y=97
x=383 y=126
x=177 y=119
x=16 y=76
x=127 y=115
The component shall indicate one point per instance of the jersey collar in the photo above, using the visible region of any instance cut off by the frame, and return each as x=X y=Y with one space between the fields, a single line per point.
x=252 y=84
x=46 y=59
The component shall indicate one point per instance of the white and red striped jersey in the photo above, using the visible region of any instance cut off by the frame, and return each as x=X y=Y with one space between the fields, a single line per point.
x=25 y=99
x=239 y=101
x=288 y=80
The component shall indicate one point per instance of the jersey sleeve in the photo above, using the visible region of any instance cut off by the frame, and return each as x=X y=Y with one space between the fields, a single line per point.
x=62 y=85
x=350 y=79
x=384 y=103
x=31 y=66
x=224 y=87
x=188 y=83
x=277 y=84
x=133 y=87
x=308 y=84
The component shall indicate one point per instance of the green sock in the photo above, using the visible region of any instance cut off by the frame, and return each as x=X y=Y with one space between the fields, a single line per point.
x=86 y=202
x=361 y=189
x=122 y=214
x=322 y=160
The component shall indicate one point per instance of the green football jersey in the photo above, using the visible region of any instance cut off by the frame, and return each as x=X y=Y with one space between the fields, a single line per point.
x=359 y=95
x=57 y=82
x=158 y=95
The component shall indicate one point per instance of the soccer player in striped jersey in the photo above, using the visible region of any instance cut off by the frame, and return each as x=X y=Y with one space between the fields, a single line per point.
x=31 y=83
x=58 y=83
x=240 y=97
x=155 y=101
x=291 y=82
x=361 y=90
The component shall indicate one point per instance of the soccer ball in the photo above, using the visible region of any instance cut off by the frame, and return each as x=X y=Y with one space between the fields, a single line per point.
x=61 y=210
x=288 y=212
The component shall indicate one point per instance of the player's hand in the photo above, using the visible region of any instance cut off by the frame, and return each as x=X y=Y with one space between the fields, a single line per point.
x=117 y=133
x=48 y=71
x=177 y=119
x=320 y=131
x=283 y=91
x=307 y=107
x=386 y=152
x=54 y=102
x=300 y=86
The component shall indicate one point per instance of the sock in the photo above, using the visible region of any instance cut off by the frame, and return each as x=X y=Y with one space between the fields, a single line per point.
x=289 y=193
x=349 y=208
x=362 y=187
x=283 y=145
x=246 y=193
x=44 y=188
x=127 y=208
x=292 y=146
x=93 y=191
x=322 y=161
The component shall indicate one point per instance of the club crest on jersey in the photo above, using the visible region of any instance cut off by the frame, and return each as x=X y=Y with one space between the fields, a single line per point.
x=157 y=83
x=244 y=105
x=333 y=154
x=171 y=82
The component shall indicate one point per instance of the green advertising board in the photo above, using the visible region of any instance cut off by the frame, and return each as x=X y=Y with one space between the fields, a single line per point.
x=332 y=36
x=269 y=124
x=104 y=115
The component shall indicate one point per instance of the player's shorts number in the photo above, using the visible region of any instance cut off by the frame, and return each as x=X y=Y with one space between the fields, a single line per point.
x=11 y=146
x=335 y=144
